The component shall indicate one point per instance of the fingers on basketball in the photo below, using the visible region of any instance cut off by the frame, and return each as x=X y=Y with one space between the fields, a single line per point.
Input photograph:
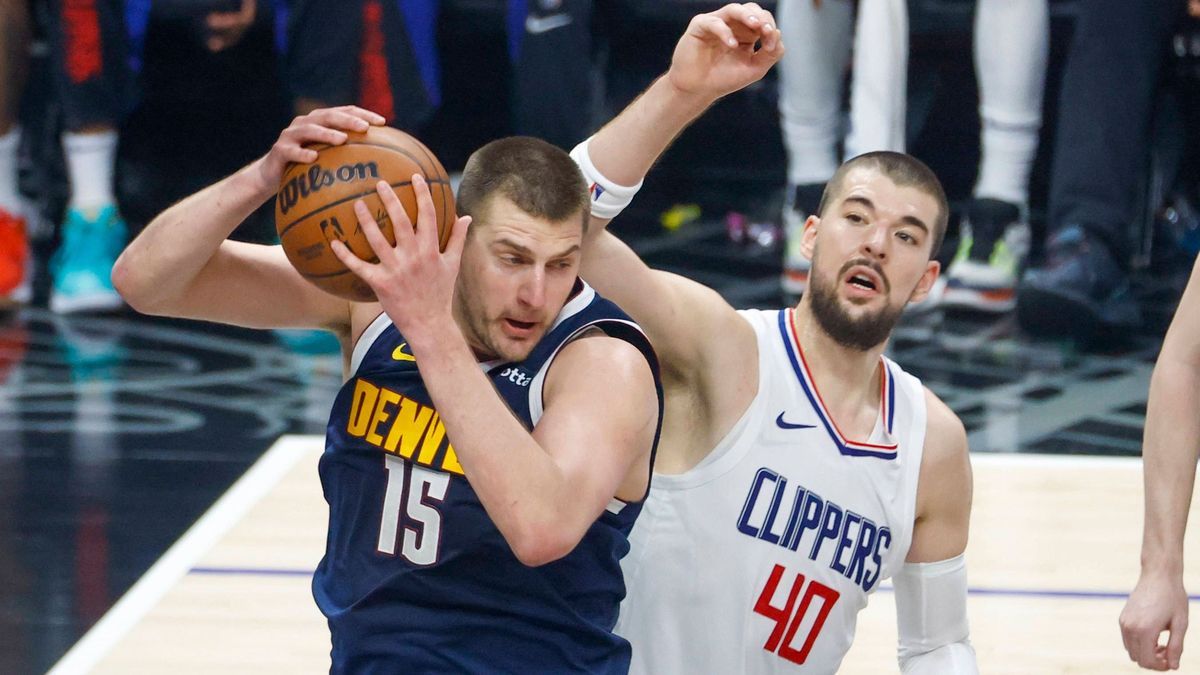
x=315 y=204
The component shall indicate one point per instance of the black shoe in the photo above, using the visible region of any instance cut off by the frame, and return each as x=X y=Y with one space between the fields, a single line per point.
x=1079 y=292
x=806 y=198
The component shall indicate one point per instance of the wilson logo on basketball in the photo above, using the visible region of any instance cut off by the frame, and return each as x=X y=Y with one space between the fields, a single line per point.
x=317 y=177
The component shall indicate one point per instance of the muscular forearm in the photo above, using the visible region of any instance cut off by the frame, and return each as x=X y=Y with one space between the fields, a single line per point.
x=159 y=265
x=626 y=148
x=522 y=489
x=1170 y=452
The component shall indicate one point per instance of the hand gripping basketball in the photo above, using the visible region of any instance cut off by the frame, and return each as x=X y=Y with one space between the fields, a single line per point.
x=316 y=201
x=415 y=275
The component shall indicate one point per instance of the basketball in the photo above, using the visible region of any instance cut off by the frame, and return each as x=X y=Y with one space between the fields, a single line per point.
x=315 y=203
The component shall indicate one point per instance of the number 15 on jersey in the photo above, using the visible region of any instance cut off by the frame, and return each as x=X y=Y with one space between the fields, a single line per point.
x=413 y=493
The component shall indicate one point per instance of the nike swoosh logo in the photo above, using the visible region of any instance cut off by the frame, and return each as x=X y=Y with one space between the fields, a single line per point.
x=398 y=354
x=536 y=25
x=788 y=425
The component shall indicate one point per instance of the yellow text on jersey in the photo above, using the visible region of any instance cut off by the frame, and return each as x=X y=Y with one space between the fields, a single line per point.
x=400 y=426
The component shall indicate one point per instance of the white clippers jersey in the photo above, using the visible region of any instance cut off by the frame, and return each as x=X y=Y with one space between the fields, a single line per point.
x=759 y=559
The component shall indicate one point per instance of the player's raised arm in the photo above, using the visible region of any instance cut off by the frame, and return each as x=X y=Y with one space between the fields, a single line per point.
x=183 y=265
x=720 y=52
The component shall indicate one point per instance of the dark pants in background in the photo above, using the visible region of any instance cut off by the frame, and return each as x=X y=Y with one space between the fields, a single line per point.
x=1105 y=111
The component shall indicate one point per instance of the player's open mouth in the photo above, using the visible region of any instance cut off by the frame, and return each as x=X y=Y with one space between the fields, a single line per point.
x=863 y=281
x=519 y=328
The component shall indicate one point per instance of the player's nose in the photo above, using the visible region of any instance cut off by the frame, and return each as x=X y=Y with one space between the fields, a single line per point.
x=532 y=292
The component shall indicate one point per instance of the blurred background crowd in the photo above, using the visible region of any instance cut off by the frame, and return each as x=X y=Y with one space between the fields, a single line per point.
x=1064 y=130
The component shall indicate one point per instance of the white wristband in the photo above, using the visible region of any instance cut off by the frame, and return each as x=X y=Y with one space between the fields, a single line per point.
x=608 y=198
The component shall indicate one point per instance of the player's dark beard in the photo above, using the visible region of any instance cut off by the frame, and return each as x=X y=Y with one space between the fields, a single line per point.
x=863 y=333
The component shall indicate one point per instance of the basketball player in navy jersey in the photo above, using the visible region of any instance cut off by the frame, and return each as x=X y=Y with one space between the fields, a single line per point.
x=798 y=467
x=493 y=442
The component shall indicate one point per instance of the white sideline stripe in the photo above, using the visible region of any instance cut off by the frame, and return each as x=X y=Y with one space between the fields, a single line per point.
x=184 y=553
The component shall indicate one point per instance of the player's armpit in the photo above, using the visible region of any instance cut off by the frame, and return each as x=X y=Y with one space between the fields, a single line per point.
x=680 y=316
x=944 y=488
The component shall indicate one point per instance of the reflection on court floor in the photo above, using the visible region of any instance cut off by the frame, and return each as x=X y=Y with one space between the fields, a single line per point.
x=1054 y=549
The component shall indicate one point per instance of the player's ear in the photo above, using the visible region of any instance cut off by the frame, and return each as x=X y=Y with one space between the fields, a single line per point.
x=808 y=241
x=932 y=270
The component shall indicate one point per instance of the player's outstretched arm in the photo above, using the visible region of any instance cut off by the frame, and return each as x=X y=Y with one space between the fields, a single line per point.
x=1169 y=453
x=720 y=52
x=543 y=490
x=182 y=263
x=931 y=587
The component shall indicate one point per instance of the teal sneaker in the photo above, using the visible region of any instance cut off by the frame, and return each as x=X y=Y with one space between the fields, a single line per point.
x=308 y=342
x=82 y=265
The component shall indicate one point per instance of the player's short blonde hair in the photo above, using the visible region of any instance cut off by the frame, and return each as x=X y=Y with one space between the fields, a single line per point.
x=539 y=178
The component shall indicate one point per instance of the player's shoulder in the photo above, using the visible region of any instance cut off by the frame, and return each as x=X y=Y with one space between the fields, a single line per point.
x=600 y=355
x=945 y=435
x=601 y=370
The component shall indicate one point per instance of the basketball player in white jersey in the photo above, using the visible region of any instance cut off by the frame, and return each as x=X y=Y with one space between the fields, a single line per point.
x=798 y=468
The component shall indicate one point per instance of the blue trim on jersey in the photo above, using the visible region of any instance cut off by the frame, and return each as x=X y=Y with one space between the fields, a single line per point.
x=891 y=396
x=842 y=447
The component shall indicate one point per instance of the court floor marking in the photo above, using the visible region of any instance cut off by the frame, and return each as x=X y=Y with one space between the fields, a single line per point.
x=180 y=560
x=1030 y=460
x=260 y=479
x=1051 y=593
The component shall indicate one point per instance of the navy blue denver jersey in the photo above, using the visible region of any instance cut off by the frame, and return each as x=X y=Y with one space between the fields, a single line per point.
x=416 y=577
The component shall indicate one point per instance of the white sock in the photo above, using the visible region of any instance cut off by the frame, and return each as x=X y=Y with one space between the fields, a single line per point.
x=810 y=90
x=878 y=89
x=10 y=198
x=90 y=160
x=1011 y=42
